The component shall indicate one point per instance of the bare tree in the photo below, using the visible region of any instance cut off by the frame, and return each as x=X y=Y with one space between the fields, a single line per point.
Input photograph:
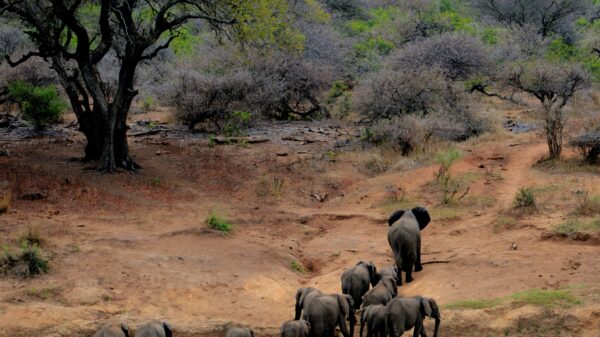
x=75 y=44
x=554 y=85
x=546 y=15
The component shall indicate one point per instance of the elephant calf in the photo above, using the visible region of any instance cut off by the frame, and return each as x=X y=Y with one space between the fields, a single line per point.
x=374 y=317
x=390 y=271
x=154 y=328
x=356 y=281
x=240 y=332
x=324 y=313
x=404 y=313
x=382 y=293
x=404 y=237
x=113 y=330
x=298 y=328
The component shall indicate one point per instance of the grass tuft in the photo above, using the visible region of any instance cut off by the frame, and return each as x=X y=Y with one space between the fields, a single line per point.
x=546 y=298
x=474 y=304
x=297 y=266
x=26 y=263
x=524 y=198
x=218 y=222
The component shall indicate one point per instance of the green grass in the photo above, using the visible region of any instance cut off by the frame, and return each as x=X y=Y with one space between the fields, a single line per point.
x=546 y=298
x=297 y=266
x=536 y=297
x=524 y=198
x=218 y=222
x=474 y=304
x=572 y=227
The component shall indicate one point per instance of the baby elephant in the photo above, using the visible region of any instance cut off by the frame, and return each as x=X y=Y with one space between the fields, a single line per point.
x=382 y=293
x=298 y=328
x=240 y=332
x=374 y=317
x=113 y=330
x=154 y=328
x=404 y=313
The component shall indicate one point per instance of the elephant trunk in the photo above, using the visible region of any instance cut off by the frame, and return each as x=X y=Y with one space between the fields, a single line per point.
x=437 y=327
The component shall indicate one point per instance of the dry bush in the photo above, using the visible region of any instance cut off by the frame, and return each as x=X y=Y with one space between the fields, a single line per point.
x=457 y=56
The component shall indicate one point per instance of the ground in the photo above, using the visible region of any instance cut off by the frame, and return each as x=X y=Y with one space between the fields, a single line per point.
x=135 y=246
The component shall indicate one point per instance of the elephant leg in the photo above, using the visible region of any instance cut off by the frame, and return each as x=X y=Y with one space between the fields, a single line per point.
x=409 y=277
x=417 y=329
x=399 y=266
x=418 y=266
x=342 y=325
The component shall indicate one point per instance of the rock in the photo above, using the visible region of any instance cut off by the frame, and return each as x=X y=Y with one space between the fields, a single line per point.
x=282 y=153
x=4 y=122
x=481 y=166
x=514 y=246
x=32 y=196
x=4 y=153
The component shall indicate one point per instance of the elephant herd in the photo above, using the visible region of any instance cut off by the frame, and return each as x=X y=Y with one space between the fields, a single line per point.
x=370 y=293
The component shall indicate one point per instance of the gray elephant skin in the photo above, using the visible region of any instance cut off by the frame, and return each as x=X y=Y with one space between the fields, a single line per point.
x=113 y=330
x=404 y=313
x=356 y=281
x=303 y=297
x=324 y=313
x=390 y=271
x=240 y=332
x=154 y=328
x=373 y=317
x=404 y=237
x=299 y=328
x=382 y=293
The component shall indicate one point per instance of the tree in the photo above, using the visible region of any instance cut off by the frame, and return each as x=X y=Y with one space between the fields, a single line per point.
x=74 y=36
x=546 y=15
x=554 y=85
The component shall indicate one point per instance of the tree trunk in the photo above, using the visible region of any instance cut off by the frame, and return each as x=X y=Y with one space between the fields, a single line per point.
x=554 y=133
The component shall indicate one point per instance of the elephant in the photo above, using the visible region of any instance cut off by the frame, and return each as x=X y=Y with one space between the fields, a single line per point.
x=390 y=271
x=356 y=280
x=303 y=296
x=298 y=328
x=404 y=313
x=404 y=237
x=154 y=328
x=113 y=330
x=240 y=332
x=374 y=317
x=324 y=313
x=382 y=293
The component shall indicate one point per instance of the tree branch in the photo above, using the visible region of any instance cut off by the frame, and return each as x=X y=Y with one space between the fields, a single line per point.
x=24 y=58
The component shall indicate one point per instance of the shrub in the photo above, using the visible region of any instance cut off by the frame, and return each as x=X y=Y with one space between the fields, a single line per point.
x=218 y=222
x=31 y=237
x=5 y=198
x=457 y=56
x=445 y=160
x=297 y=266
x=24 y=264
x=588 y=144
x=148 y=103
x=40 y=105
x=586 y=204
x=524 y=198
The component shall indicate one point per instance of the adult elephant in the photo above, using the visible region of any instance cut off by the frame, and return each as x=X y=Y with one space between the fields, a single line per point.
x=404 y=313
x=303 y=297
x=404 y=237
x=373 y=317
x=300 y=328
x=154 y=328
x=390 y=271
x=113 y=330
x=382 y=293
x=356 y=281
x=324 y=313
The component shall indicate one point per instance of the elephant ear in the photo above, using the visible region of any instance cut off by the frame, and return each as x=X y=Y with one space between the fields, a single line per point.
x=125 y=329
x=422 y=216
x=426 y=306
x=372 y=272
x=168 y=329
x=390 y=283
x=395 y=216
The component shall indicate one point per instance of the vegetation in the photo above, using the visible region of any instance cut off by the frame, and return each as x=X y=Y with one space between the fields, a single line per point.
x=42 y=106
x=524 y=198
x=25 y=263
x=297 y=266
x=537 y=297
x=572 y=228
x=218 y=222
